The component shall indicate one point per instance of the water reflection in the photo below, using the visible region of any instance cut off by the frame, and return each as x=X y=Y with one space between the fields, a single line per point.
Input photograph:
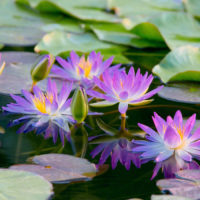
x=116 y=144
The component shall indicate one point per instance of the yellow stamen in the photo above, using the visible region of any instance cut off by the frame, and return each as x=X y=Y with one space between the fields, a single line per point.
x=40 y=102
x=86 y=66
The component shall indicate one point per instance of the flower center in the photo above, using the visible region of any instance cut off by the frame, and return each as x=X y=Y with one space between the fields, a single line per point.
x=39 y=102
x=123 y=95
x=86 y=66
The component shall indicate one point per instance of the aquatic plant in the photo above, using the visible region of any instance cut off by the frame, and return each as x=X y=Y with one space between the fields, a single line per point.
x=81 y=70
x=173 y=146
x=43 y=112
x=120 y=87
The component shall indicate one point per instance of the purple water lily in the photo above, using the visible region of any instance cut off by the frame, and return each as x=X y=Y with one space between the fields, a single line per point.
x=122 y=88
x=47 y=113
x=173 y=146
x=119 y=150
x=81 y=70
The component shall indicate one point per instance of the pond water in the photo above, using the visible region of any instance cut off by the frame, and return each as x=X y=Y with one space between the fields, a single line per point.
x=113 y=184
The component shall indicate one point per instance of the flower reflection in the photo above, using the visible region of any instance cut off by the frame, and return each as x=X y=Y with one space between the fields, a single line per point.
x=115 y=144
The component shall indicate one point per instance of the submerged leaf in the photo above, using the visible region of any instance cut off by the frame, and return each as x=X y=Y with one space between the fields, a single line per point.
x=20 y=185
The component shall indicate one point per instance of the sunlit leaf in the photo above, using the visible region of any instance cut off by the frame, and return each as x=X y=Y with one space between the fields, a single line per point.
x=175 y=29
x=180 y=64
x=60 y=168
x=116 y=33
x=16 y=75
x=85 y=10
x=58 y=42
x=181 y=92
x=20 y=185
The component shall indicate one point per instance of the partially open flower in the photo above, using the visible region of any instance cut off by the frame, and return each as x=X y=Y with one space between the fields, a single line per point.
x=81 y=70
x=173 y=146
x=47 y=113
x=122 y=88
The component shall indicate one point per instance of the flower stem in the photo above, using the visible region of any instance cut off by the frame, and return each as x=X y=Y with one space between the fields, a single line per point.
x=33 y=84
x=123 y=122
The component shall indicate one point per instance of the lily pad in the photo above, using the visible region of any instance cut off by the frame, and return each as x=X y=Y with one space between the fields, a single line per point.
x=192 y=6
x=116 y=33
x=181 y=92
x=186 y=184
x=143 y=10
x=20 y=26
x=84 y=10
x=58 y=42
x=60 y=168
x=20 y=185
x=16 y=75
x=176 y=29
x=180 y=64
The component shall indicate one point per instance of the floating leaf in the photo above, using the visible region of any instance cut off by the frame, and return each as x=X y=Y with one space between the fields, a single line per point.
x=180 y=64
x=84 y=10
x=116 y=33
x=181 y=92
x=17 y=73
x=60 y=168
x=143 y=10
x=168 y=197
x=58 y=42
x=176 y=29
x=20 y=185
x=192 y=6
x=20 y=26
x=186 y=184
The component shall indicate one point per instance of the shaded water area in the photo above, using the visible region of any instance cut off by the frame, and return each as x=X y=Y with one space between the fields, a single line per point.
x=113 y=184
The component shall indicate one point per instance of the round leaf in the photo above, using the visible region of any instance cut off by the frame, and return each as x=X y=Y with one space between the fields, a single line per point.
x=20 y=185
x=186 y=93
x=180 y=64
x=17 y=72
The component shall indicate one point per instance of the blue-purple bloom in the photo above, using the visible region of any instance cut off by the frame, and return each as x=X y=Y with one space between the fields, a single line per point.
x=173 y=146
x=81 y=70
x=47 y=113
x=122 y=88
x=120 y=150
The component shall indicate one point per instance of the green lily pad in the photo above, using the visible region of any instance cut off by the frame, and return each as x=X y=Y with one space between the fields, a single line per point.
x=84 y=10
x=180 y=64
x=116 y=33
x=60 y=168
x=20 y=26
x=192 y=6
x=181 y=92
x=20 y=185
x=58 y=42
x=136 y=12
x=176 y=29
x=16 y=75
